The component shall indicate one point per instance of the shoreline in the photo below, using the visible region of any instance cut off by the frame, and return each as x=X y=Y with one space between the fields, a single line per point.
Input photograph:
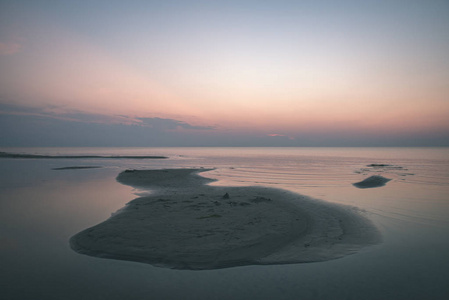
x=39 y=156
x=187 y=224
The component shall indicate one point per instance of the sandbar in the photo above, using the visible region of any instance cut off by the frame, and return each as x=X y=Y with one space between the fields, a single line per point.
x=186 y=224
x=371 y=182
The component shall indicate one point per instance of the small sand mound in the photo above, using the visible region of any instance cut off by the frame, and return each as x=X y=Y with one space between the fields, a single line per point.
x=372 y=182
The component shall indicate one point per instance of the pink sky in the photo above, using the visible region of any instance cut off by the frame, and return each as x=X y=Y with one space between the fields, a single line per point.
x=339 y=74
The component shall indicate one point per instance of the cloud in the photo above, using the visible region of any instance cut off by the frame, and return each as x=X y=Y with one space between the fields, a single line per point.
x=62 y=113
x=8 y=108
x=9 y=48
x=280 y=136
x=33 y=127
x=58 y=126
x=170 y=124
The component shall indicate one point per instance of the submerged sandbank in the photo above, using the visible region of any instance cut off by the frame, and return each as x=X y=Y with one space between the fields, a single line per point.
x=76 y=168
x=186 y=224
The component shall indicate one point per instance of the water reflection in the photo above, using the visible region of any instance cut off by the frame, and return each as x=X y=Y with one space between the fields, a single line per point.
x=40 y=209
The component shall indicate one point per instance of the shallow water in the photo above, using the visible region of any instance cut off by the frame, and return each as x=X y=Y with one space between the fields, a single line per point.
x=41 y=208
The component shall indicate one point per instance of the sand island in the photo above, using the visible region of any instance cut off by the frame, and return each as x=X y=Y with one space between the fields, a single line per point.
x=372 y=182
x=187 y=224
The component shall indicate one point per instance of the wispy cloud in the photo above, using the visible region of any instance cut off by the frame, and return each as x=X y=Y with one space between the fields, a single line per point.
x=59 y=126
x=280 y=135
x=62 y=113
x=171 y=124
x=9 y=48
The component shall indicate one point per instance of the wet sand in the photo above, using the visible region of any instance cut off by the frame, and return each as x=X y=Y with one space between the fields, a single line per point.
x=187 y=224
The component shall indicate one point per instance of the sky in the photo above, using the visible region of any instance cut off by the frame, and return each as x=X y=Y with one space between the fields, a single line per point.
x=224 y=73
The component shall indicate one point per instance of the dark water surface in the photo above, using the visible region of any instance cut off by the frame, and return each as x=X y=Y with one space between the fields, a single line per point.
x=41 y=208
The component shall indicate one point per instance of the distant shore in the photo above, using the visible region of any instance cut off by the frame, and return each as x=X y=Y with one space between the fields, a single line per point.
x=38 y=156
x=187 y=224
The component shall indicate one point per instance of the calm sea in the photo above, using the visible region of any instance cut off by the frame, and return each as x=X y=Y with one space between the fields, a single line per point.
x=41 y=208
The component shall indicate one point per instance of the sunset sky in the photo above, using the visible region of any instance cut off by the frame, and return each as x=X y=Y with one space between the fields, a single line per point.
x=224 y=73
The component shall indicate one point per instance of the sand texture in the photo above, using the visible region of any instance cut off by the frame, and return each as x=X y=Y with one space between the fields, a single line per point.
x=187 y=224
